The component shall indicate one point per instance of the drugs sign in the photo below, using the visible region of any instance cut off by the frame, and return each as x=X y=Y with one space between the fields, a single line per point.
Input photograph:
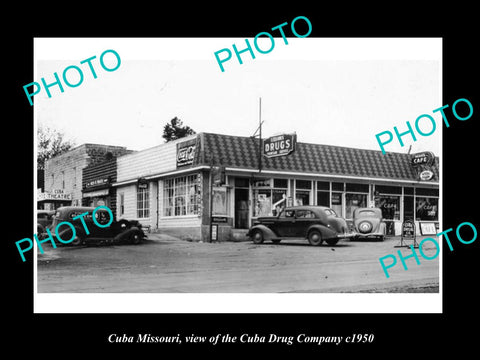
x=279 y=145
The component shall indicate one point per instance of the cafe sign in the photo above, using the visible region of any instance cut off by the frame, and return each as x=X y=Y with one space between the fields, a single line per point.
x=422 y=163
x=424 y=158
x=279 y=145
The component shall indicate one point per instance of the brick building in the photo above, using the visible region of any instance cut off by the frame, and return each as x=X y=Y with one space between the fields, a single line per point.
x=64 y=173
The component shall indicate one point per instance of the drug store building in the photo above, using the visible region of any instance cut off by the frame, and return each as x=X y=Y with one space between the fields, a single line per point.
x=172 y=187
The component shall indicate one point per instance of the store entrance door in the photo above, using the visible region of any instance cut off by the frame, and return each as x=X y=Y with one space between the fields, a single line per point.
x=241 y=208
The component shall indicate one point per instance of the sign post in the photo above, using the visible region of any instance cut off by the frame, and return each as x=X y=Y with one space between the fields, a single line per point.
x=408 y=233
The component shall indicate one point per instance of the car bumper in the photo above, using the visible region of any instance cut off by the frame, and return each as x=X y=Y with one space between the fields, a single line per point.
x=370 y=235
x=346 y=235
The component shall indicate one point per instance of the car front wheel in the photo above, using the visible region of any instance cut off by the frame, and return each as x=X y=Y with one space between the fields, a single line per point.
x=257 y=236
x=77 y=241
x=315 y=237
x=135 y=238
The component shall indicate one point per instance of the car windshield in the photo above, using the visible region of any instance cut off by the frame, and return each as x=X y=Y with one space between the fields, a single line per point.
x=367 y=213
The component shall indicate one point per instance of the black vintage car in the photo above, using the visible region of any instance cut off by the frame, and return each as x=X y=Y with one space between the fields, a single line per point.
x=315 y=223
x=44 y=219
x=118 y=231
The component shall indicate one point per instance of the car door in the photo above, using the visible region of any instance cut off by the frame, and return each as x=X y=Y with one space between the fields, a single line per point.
x=103 y=218
x=285 y=223
x=303 y=220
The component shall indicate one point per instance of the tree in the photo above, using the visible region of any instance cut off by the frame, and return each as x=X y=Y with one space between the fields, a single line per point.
x=175 y=130
x=50 y=143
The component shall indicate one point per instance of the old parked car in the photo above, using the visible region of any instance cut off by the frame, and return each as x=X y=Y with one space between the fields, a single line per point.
x=118 y=231
x=315 y=223
x=369 y=224
x=44 y=220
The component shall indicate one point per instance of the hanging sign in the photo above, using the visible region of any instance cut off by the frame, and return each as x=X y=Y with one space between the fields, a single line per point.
x=279 y=145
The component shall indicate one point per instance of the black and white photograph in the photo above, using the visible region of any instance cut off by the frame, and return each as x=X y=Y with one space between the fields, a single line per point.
x=265 y=179
x=261 y=182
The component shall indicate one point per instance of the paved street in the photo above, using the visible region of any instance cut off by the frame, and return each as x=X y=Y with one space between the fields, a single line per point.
x=165 y=264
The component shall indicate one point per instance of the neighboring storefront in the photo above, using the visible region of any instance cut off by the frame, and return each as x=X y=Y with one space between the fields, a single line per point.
x=63 y=174
x=53 y=199
x=97 y=182
x=173 y=186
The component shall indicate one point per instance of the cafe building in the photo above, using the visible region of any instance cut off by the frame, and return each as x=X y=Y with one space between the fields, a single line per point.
x=184 y=186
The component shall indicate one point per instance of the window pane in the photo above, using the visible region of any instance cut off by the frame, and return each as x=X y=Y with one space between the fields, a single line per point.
x=385 y=189
x=280 y=183
x=426 y=208
x=426 y=192
x=263 y=203
x=337 y=203
x=180 y=196
x=323 y=198
x=303 y=184
x=390 y=206
x=357 y=187
x=241 y=182
x=408 y=207
x=337 y=186
x=323 y=185
x=354 y=201
x=302 y=197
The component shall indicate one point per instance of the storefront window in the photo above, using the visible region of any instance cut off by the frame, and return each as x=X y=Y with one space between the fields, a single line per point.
x=408 y=209
x=180 y=196
x=263 y=202
x=426 y=209
x=337 y=203
x=354 y=201
x=390 y=206
x=323 y=198
x=268 y=201
x=219 y=206
x=143 y=202
x=303 y=189
x=323 y=193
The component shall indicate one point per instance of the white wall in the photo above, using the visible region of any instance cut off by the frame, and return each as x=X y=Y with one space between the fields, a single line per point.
x=155 y=160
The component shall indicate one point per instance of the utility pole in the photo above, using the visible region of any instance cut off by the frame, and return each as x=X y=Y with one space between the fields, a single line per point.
x=260 y=136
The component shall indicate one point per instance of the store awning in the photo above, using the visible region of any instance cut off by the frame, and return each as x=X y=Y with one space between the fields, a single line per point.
x=96 y=193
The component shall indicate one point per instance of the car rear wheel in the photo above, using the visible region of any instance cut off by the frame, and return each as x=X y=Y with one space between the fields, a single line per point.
x=257 y=236
x=315 y=237
x=135 y=238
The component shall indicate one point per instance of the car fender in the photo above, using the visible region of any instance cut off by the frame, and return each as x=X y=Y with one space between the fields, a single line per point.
x=267 y=232
x=326 y=232
x=382 y=228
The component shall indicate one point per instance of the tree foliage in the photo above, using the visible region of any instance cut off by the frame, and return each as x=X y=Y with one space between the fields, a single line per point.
x=50 y=143
x=175 y=130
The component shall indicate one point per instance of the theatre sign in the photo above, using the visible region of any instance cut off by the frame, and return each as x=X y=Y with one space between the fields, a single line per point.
x=279 y=145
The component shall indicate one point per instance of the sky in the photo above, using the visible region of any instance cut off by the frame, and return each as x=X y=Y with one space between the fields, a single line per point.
x=334 y=91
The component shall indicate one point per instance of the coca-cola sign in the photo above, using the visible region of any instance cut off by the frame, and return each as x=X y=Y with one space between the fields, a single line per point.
x=279 y=145
x=185 y=155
